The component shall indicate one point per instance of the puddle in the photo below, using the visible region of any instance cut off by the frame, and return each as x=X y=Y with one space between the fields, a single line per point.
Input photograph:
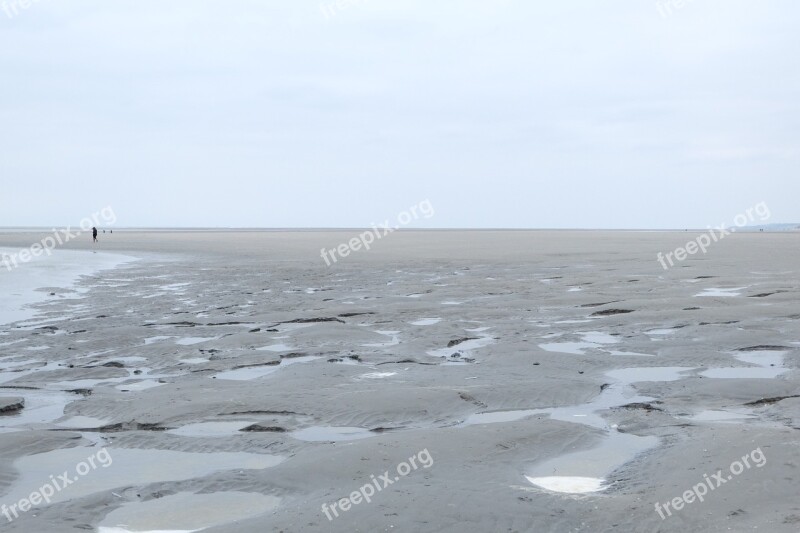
x=638 y=375
x=331 y=434
x=41 y=407
x=426 y=322
x=377 y=375
x=572 y=485
x=275 y=348
x=589 y=467
x=762 y=358
x=616 y=352
x=743 y=373
x=211 y=429
x=191 y=341
x=720 y=416
x=581 y=348
x=132 y=382
x=592 y=340
x=574 y=348
x=575 y=289
x=664 y=331
x=769 y=365
x=585 y=471
x=185 y=512
x=394 y=342
x=126 y=467
x=721 y=293
x=255 y=372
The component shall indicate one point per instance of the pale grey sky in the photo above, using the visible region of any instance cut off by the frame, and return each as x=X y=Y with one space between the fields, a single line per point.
x=503 y=113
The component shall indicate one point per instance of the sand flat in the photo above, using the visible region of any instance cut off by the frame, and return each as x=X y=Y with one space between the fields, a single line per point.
x=238 y=364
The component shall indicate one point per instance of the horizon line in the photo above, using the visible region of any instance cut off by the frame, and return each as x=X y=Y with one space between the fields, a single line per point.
x=356 y=228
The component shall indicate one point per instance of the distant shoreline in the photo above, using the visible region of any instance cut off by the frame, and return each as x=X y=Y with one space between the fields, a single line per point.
x=782 y=228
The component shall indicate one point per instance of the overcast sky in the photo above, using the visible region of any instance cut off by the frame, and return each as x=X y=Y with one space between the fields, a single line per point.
x=502 y=113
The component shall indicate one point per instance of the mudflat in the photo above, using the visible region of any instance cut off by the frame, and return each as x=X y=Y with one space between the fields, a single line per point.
x=235 y=381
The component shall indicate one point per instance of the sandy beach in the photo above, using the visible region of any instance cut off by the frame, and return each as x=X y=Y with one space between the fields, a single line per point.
x=513 y=381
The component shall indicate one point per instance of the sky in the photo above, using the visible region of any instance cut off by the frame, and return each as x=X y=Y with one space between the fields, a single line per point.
x=300 y=113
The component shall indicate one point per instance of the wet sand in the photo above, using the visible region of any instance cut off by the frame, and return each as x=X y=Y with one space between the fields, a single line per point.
x=561 y=381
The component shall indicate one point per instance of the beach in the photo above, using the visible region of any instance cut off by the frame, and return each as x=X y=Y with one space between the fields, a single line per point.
x=236 y=381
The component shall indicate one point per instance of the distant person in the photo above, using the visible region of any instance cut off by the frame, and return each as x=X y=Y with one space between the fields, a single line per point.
x=94 y=234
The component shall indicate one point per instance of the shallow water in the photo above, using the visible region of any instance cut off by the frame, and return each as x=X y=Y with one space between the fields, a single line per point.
x=592 y=340
x=191 y=341
x=41 y=407
x=769 y=365
x=187 y=511
x=573 y=348
x=721 y=293
x=60 y=269
x=128 y=467
x=276 y=348
x=377 y=375
x=393 y=342
x=585 y=471
x=721 y=416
